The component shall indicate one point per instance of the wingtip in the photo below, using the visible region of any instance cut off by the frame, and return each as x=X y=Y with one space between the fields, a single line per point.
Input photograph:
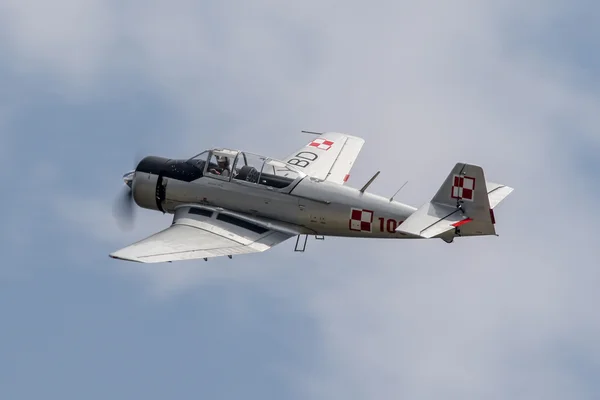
x=112 y=255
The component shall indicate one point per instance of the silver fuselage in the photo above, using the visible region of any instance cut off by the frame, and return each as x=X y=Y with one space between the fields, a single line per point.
x=314 y=206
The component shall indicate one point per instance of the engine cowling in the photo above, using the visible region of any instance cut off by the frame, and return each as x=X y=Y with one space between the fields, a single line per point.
x=149 y=174
x=152 y=175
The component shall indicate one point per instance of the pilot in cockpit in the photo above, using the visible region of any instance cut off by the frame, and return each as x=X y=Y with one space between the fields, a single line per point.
x=224 y=167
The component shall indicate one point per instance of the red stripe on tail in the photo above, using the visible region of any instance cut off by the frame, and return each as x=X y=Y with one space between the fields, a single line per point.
x=460 y=223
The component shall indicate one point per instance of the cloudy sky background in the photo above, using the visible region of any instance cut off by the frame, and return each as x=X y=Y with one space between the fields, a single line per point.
x=88 y=86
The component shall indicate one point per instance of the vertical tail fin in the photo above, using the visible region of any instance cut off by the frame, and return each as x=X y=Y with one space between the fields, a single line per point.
x=465 y=188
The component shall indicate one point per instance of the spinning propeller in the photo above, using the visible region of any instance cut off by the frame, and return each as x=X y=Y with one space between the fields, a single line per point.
x=124 y=206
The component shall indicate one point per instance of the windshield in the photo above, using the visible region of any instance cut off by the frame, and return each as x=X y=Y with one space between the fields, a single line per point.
x=199 y=160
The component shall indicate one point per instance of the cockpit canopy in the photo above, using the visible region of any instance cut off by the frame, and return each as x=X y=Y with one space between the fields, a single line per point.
x=237 y=166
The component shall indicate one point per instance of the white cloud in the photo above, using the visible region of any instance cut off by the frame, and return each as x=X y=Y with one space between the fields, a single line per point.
x=427 y=85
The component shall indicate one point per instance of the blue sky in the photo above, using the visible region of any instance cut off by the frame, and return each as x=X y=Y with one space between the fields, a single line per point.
x=89 y=86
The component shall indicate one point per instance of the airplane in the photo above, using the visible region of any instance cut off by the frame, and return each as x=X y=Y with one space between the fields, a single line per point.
x=229 y=202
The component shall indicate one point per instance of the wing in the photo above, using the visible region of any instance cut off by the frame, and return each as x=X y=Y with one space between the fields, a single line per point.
x=202 y=232
x=329 y=156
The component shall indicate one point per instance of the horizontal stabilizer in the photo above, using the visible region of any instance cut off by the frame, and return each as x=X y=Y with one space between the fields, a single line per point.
x=497 y=193
x=432 y=220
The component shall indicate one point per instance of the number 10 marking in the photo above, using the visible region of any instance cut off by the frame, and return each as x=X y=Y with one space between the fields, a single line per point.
x=389 y=226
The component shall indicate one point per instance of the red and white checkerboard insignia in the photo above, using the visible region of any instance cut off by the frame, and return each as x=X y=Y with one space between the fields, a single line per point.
x=321 y=143
x=463 y=187
x=361 y=220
